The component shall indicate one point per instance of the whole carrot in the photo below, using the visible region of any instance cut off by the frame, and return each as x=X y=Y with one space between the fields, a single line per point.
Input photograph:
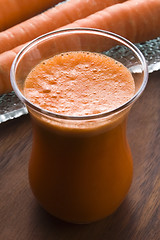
x=15 y=11
x=50 y=20
x=136 y=20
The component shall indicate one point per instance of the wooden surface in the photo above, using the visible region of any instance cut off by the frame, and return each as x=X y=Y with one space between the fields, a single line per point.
x=138 y=218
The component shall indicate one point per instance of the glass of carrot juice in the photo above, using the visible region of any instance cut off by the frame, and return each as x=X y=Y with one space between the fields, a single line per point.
x=79 y=86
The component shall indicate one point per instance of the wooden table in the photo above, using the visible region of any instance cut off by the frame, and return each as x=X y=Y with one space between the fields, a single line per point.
x=138 y=218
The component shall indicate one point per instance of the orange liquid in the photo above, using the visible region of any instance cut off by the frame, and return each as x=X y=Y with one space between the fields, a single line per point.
x=79 y=83
x=80 y=171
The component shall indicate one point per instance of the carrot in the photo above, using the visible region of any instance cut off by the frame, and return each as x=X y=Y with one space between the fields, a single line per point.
x=15 y=11
x=50 y=20
x=136 y=20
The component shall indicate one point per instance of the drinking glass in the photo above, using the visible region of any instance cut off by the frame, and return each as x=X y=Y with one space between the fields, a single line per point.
x=81 y=167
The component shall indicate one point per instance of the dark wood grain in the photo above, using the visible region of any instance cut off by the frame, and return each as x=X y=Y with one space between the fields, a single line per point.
x=138 y=218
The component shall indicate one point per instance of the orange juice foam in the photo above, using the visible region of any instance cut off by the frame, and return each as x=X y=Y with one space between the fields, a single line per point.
x=79 y=84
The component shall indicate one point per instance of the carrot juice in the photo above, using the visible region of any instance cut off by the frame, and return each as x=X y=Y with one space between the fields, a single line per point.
x=80 y=172
x=78 y=94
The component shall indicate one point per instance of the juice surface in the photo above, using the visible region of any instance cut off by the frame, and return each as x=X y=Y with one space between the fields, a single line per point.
x=79 y=177
x=79 y=83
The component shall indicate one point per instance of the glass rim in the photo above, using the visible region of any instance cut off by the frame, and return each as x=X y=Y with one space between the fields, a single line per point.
x=104 y=33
